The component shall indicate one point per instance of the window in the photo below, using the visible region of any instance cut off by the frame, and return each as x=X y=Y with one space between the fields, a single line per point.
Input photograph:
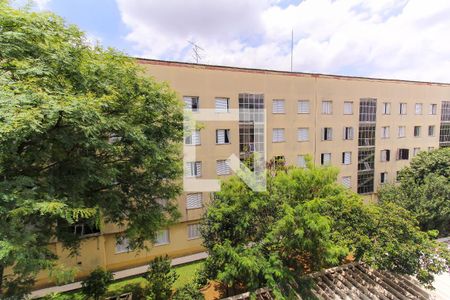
x=84 y=228
x=348 y=133
x=194 y=201
x=301 y=161
x=327 y=134
x=162 y=237
x=385 y=155
x=278 y=107
x=278 y=135
x=416 y=151
x=366 y=159
x=223 y=167
x=401 y=131
x=303 y=107
x=222 y=136
x=403 y=154
x=303 y=134
x=222 y=105
x=365 y=182
x=347 y=181
x=419 y=108
x=193 y=139
x=325 y=159
x=431 y=130
x=386 y=108
x=445 y=111
x=403 y=108
x=433 y=109
x=191 y=103
x=193 y=169
x=193 y=231
x=366 y=135
x=348 y=108
x=327 y=107
x=368 y=110
x=417 y=130
x=346 y=158
x=383 y=177
x=122 y=245
x=444 y=134
x=385 y=132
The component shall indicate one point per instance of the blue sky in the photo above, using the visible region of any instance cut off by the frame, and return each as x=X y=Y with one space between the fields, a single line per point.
x=383 y=38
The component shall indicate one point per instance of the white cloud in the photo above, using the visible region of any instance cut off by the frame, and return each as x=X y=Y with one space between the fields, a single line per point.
x=386 y=38
x=41 y=4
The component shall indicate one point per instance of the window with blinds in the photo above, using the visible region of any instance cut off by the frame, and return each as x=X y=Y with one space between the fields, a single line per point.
x=193 y=139
x=348 y=133
x=303 y=107
x=327 y=107
x=122 y=245
x=278 y=135
x=194 y=201
x=327 y=134
x=385 y=155
x=385 y=132
x=162 y=237
x=325 y=159
x=278 y=106
x=222 y=136
x=401 y=131
x=403 y=108
x=348 y=108
x=347 y=181
x=223 y=167
x=346 y=158
x=303 y=134
x=419 y=108
x=193 y=169
x=222 y=105
x=193 y=231
x=301 y=161
x=191 y=103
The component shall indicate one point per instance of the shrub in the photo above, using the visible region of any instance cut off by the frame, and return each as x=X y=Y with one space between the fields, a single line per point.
x=160 y=278
x=97 y=283
x=189 y=291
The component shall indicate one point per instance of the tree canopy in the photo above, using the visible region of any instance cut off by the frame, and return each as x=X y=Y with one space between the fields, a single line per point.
x=83 y=137
x=304 y=222
x=424 y=190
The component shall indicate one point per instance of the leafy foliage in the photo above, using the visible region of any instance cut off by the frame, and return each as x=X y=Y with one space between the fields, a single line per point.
x=304 y=222
x=97 y=283
x=83 y=137
x=189 y=291
x=424 y=190
x=160 y=277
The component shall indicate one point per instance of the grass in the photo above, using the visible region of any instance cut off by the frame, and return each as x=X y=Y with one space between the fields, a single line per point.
x=186 y=274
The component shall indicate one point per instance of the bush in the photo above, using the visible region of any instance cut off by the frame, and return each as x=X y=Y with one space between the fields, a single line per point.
x=97 y=283
x=160 y=278
x=189 y=291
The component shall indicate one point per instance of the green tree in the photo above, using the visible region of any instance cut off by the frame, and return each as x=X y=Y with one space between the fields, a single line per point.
x=424 y=190
x=304 y=222
x=83 y=137
x=189 y=291
x=97 y=283
x=160 y=277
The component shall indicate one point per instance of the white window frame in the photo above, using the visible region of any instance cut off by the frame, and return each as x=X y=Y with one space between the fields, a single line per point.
x=193 y=169
x=385 y=179
x=303 y=107
x=188 y=101
x=416 y=151
x=346 y=158
x=222 y=104
x=348 y=107
x=194 y=201
x=301 y=161
x=403 y=108
x=325 y=159
x=419 y=108
x=385 y=132
x=347 y=181
x=193 y=228
x=419 y=132
x=401 y=131
x=222 y=135
x=278 y=106
x=327 y=134
x=122 y=245
x=433 y=109
x=384 y=155
x=194 y=138
x=327 y=107
x=278 y=135
x=386 y=108
x=164 y=233
x=223 y=167
x=350 y=135
x=303 y=134
x=433 y=130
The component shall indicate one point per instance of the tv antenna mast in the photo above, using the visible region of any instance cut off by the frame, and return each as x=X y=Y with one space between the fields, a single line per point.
x=196 y=51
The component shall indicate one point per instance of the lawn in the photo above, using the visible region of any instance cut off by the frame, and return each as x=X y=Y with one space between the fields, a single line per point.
x=186 y=274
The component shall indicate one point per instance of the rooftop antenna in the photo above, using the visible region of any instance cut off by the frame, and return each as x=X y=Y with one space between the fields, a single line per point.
x=196 y=51
x=292 y=47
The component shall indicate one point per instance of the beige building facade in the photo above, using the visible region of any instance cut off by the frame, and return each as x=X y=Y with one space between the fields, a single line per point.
x=368 y=128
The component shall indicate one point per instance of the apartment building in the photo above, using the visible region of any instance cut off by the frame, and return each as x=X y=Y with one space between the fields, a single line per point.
x=368 y=128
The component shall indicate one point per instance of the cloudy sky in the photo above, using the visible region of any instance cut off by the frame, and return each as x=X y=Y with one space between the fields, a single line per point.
x=408 y=39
